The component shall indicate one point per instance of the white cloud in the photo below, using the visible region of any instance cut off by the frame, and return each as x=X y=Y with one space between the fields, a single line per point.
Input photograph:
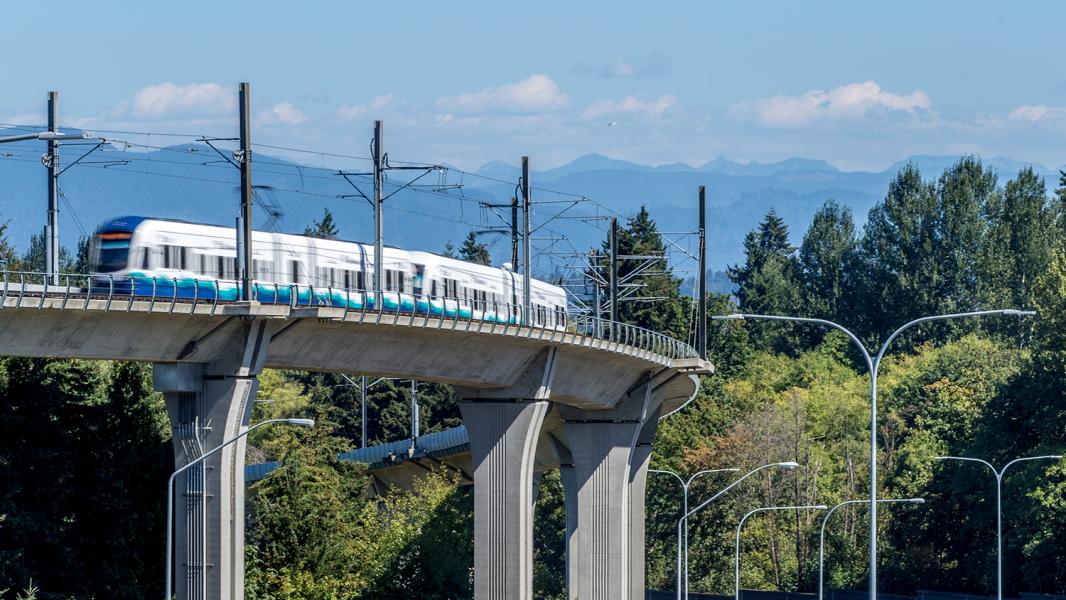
x=630 y=105
x=533 y=94
x=281 y=113
x=1037 y=112
x=348 y=112
x=851 y=101
x=167 y=99
x=24 y=119
x=624 y=67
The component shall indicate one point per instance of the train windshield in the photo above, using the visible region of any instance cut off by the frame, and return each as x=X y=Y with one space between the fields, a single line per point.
x=110 y=251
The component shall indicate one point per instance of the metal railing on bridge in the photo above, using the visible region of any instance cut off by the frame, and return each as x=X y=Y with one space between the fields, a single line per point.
x=20 y=289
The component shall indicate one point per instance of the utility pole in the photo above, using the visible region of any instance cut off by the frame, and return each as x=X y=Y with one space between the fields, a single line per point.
x=597 y=326
x=614 y=270
x=244 y=236
x=51 y=246
x=362 y=411
x=379 y=248
x=514 y=232
x=526 y=296
x=701 y=326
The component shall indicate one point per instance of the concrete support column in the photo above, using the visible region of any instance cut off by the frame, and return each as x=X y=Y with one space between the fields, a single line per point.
x=638 y=480
x=209 y=403
x=503 y=426
x=610 y=451
x=503 y=440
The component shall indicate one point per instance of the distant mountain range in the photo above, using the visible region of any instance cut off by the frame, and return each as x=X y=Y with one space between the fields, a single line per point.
x=192 y=183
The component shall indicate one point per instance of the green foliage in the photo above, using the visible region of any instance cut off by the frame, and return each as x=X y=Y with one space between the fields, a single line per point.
x=767 y=283
x=474 y=251
x=314 y=533
x=668 y=312
x=325 y=228
x=827 y=253
x=77 y=520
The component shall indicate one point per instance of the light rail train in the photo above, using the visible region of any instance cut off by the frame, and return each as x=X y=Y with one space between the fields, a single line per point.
x=170 y=258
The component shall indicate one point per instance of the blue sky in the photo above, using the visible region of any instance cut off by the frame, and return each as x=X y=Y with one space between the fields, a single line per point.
x=857 y=84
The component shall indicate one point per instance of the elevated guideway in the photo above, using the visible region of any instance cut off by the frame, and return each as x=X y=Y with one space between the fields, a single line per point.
x=587 y=398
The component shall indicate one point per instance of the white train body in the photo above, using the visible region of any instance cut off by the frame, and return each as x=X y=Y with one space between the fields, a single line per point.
x=191 y=260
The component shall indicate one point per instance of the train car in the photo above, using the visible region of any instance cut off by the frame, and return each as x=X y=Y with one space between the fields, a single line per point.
x=191 y=261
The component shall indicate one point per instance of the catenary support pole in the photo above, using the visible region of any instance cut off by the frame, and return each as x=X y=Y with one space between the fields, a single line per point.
x=526 y=258
x=245 y=234
x=379 y=244
x=514 y=232
x=597 y=301
x=701 y=297
x=362 y=411
x=52 y=233
x=613 y=267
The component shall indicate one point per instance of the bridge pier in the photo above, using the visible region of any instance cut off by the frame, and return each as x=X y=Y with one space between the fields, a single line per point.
x=604 y=491
x=209 y=403
x=503 y=426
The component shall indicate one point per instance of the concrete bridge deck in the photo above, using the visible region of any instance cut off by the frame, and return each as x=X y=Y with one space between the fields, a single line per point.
x=532 y=398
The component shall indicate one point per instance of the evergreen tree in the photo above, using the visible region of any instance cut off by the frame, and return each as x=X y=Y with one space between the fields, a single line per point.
x=768 y=282
x=474 y=251
x=85 y=450
x=8 y=256
x=964 y=192
x=666 y=310
x=899 y=274
x=1060 y=204
x=34 y=259
x=826 y=257
x=1017 y=247
x=324 y=228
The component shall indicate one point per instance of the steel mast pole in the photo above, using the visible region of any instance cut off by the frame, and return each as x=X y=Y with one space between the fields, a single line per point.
x=527 y=313
x=245 y=234
x=51 y=244
x=379 y=248
x=613 y=272
x=701 y=325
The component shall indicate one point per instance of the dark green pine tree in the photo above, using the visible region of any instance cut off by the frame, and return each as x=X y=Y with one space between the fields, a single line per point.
x=768 y=283
x=657 y=304
x=825 y=257
x=325 y=227
x=1060 y=204
x=474 y=251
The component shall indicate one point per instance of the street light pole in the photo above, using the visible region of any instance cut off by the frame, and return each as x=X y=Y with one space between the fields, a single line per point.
x=193 y=463
x=874 y=365
x=682 y=541
x=683 y=522
x=736 y=558
x=821 y=536
x=999 y=506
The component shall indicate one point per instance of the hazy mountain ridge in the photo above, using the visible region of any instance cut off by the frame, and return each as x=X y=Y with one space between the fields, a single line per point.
x=199 y=187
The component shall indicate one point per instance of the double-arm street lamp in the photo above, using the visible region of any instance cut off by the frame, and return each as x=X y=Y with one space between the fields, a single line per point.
x=999 y=506
x=682 y=540
x=683 y=522
x=736 y=558
x=193 y=463
x=873 y=365
x=821 y=536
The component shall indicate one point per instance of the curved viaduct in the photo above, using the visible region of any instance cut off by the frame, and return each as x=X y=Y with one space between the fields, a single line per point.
x=591 y=405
